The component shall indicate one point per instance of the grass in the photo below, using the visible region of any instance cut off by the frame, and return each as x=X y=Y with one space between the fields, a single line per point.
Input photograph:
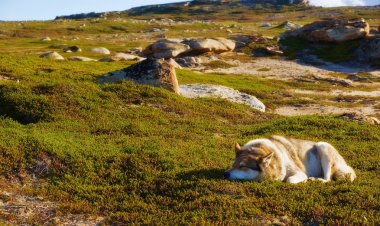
x=142 y=155
x=335 y=52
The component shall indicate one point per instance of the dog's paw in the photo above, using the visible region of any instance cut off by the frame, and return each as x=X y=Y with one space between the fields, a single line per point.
x=318 y=179
x=322 y=180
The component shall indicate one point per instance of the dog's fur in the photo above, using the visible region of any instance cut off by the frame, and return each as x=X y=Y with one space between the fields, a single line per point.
x=290 y=160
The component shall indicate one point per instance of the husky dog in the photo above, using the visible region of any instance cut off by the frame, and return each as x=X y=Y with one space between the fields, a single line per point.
x=290 y=160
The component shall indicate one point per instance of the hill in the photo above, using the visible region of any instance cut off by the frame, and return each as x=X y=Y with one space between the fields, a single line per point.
x=194 y=7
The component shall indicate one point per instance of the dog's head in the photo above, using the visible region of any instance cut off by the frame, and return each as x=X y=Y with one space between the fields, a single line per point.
x=250 y=163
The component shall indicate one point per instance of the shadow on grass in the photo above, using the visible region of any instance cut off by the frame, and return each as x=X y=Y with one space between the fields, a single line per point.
x=201 y=174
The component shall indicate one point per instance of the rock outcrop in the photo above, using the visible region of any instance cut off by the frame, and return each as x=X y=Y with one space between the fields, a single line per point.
x=215 y=45
x=333 y=30
x=165 y=49
x=52 y=55
x=188 y=47
x=158 y=73
x=121 y=57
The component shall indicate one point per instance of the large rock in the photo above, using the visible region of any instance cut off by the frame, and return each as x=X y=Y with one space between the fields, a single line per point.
x=52 y=55
x=334 y=30
x=158 y=73
x=165 y=49
x=215 y=91
x=204 y=45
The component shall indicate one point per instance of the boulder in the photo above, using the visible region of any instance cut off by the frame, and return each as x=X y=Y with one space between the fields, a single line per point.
x=52 y=55
x=72 y=49
x=79 y=58
x=334 y=30
x=101 y=50
x=121 y=57
x=227 y=42
x=215 y=91
x=204 y=45
x=153 y=72
x=165 y=49
x=189 y=61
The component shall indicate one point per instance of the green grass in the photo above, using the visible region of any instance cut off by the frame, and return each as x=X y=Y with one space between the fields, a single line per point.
x=143 y=155
x=335 y=52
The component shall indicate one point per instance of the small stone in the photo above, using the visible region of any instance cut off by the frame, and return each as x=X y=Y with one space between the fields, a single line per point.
x=52 y=55
x=46 y=39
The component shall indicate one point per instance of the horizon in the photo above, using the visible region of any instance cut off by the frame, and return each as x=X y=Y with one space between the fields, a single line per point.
x=42 y=10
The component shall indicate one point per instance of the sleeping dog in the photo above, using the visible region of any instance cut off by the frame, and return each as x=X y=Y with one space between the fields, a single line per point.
x=290 y=160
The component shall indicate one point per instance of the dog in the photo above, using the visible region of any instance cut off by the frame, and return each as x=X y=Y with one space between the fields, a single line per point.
x=285 y=159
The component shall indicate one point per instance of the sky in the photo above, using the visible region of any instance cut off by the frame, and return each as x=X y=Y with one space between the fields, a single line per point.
x=49 y=9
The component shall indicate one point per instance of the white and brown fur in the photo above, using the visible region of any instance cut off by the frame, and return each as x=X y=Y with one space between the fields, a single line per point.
x=287 y=159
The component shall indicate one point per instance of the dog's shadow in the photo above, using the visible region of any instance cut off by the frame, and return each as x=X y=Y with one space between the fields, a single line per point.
x=212 y=174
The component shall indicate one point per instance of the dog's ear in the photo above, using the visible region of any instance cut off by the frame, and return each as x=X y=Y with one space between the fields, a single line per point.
x=237 y=148
x=267 y=159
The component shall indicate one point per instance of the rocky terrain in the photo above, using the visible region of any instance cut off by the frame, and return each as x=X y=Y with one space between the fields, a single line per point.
x=128 y=117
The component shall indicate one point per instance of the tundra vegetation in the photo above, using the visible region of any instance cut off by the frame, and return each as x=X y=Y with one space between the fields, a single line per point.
x=139 y=154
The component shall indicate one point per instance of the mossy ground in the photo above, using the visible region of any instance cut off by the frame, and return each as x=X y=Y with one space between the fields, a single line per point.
x=138 y=154
x=143 y=155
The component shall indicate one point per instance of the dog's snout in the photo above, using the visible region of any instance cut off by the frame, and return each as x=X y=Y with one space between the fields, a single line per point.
x=226 y=175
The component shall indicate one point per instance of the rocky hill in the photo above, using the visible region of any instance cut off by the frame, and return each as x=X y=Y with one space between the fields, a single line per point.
x=194 y=7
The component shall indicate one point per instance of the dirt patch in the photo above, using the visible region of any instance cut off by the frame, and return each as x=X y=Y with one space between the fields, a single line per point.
x=22 y=209
x=282 y=69
x=318 y=109
x=375 y=93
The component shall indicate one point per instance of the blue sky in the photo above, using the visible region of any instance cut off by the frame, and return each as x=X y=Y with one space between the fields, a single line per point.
x=48 y=9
